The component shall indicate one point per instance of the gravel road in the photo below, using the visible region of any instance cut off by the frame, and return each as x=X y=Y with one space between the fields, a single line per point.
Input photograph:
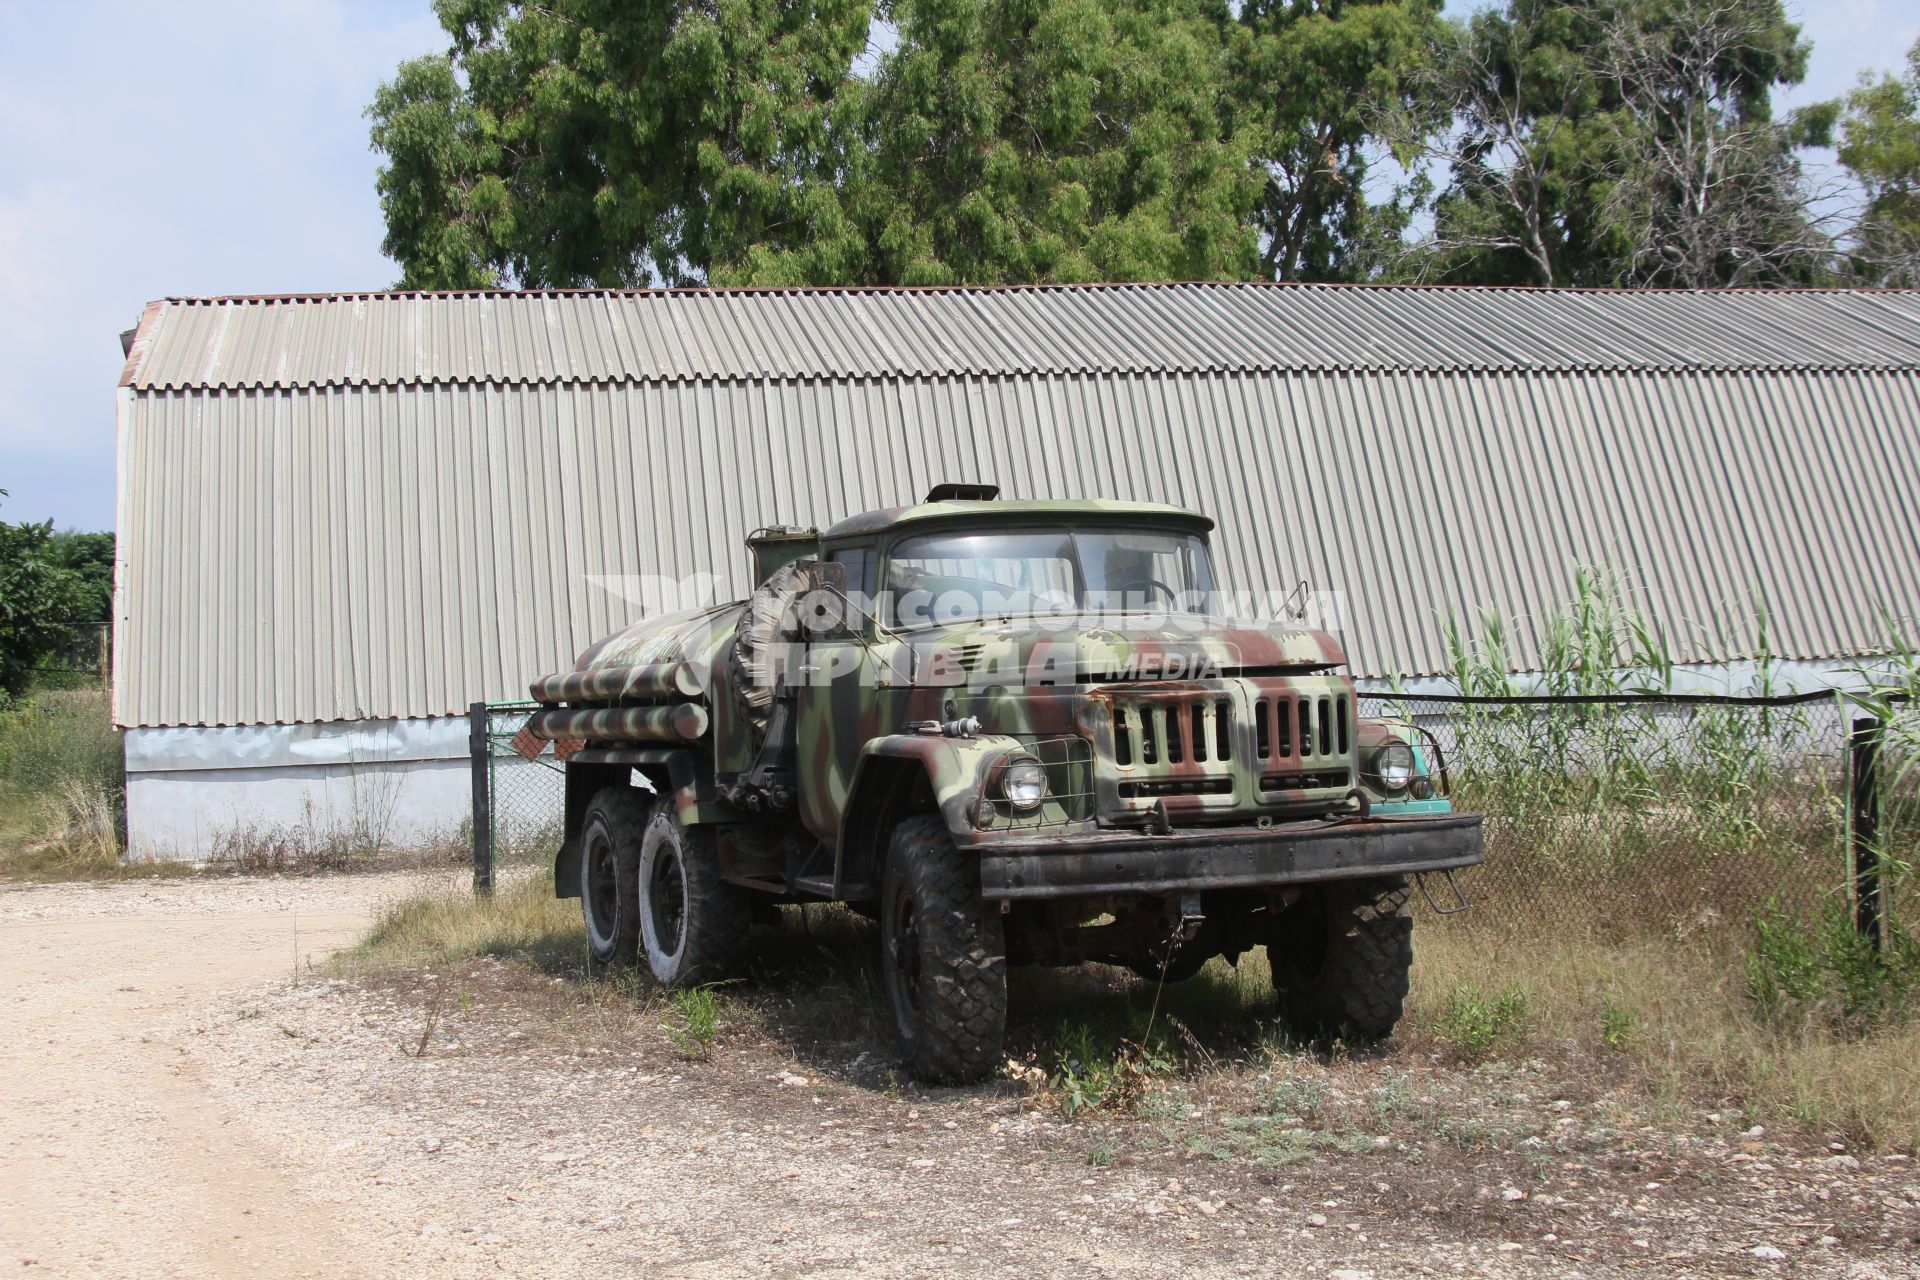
x=115 y=1159
x=182 y=1094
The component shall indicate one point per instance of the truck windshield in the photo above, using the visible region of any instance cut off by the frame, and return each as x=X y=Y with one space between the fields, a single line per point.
x=943 y=578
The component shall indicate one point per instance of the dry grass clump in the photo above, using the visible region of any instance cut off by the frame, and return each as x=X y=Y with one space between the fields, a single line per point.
x=522 y=920
x=1681 y=1015
x=313 y=847
x=63 y=791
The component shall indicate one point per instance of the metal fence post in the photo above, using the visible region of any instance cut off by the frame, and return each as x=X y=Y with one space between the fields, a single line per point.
x=1863 y=827
x=481 y=751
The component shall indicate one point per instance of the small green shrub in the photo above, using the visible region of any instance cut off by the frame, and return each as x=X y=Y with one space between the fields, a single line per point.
x=1299 y=1096
x=1391 y=1100
x=1476 y=1023
x=699 y=1012
x=1826 y=973
x=1093 y=1076
x=1619 y=1025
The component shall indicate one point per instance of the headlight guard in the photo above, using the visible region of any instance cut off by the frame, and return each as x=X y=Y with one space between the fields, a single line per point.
x=1022 y=782
x=1392 y=769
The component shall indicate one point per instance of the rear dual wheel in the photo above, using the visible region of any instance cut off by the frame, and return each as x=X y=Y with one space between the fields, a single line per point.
x=609 y=867
x=651 y=888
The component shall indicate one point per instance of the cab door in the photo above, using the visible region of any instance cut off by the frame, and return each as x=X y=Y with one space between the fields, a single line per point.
x=836 y=711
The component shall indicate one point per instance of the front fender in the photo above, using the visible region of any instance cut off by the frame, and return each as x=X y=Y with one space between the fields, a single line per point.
x=955 y=769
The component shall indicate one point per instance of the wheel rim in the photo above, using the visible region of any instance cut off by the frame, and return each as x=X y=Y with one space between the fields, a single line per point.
x=903 y=955
x=667 y=899
x=601 y=888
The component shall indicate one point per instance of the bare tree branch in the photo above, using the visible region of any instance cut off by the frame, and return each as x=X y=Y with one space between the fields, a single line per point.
x=1491 y=127
x=1707 y=194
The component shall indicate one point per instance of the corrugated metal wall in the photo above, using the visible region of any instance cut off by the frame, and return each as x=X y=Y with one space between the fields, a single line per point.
x=400 y=551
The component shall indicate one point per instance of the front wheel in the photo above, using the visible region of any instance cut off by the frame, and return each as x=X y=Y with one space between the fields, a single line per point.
x=1341 y=956
x=943 y=955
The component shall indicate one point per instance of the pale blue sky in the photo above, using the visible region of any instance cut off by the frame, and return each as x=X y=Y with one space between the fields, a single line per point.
x=218 y=146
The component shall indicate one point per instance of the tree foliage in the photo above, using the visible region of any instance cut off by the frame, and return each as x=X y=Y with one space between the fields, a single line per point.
x=610 y=142
x=1614 y=142
x=1311 y=78
x=54 y=587
x=625 y=142
x=1880 y=146
x=1063 y=140
x=1709 y=189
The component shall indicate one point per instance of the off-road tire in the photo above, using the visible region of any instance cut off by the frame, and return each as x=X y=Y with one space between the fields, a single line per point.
x=609 y=867
x=943 y=957
x=693 y=924
x=1341 y=956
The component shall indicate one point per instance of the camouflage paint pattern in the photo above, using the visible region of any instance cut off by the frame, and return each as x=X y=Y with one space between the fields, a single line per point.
x=618 y=684
x=1140 y=727
x=1145 y=747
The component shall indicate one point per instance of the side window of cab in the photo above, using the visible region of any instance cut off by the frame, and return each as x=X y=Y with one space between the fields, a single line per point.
x=861 y=564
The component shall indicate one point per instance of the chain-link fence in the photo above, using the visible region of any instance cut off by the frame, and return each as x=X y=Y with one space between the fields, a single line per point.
x=1615 y=815
x=519 y=804
x=1651 y=814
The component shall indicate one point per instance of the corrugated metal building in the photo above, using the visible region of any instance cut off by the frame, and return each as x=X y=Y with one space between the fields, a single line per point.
x=345 y=517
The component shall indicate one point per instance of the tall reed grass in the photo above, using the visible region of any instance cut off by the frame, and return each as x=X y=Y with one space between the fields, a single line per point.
x=1643 y=817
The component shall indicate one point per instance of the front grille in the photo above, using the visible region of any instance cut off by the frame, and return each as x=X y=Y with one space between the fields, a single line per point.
x=1208 y=752
x=1172 y=731
x=1287 y=728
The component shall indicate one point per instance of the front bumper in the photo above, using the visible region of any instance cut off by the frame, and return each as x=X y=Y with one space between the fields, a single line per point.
x=1219 y=858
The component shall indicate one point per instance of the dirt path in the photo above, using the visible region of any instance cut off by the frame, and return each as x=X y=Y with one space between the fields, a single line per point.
x=115 y=1159
x=181 y=1095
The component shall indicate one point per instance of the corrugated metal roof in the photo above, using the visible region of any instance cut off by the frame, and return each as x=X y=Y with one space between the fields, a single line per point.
x=401 y=551
x=569 y=338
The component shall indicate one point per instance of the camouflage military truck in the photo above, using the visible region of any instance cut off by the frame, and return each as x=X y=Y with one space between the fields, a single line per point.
x=1013 y=732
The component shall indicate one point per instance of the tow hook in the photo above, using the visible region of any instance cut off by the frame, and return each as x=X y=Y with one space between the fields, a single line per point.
x=1191 y=917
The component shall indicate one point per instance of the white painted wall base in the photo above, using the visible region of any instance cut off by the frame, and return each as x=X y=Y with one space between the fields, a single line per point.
x=387 y=782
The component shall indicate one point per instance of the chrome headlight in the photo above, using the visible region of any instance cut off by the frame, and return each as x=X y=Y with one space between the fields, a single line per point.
x=1393 y=767
x=1023 y=782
